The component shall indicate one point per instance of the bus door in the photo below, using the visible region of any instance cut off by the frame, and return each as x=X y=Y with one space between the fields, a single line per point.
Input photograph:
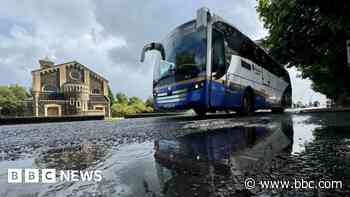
x=218 y=70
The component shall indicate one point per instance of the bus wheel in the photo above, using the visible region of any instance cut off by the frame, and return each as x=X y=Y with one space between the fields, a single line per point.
x=200 y=111
x=247 y=104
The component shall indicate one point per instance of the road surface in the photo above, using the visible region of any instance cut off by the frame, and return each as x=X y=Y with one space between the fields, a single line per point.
x=183 y=155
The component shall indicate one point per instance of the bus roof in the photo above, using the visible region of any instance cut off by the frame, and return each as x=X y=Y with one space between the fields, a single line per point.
x=216 y=18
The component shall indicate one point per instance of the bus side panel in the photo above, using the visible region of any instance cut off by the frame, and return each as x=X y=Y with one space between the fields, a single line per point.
x=217 y=94
x=233 y=97
x=275 y=89
x=233 y=84
x=225 y=96
x=260 y=102
x=280 y=86
x=241 y=78
x=259 y=90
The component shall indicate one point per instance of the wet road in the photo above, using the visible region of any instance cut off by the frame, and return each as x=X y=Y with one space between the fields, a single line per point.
x=182 y=156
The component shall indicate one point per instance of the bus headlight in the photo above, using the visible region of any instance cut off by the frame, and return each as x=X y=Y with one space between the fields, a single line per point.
x=198 y=85
x=155 y=93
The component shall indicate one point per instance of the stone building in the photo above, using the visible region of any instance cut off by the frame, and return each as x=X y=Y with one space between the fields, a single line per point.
x=68 y=89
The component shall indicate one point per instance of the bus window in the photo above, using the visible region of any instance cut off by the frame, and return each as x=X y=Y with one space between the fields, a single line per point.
x=218 y=49
x=246 y=65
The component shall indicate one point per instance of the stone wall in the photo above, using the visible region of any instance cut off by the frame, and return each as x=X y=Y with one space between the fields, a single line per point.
x=74 y=74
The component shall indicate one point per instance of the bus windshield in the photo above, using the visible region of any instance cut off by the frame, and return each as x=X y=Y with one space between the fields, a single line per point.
x=185 y=51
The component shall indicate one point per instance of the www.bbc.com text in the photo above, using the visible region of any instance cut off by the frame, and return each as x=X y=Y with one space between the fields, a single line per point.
x=250 y=183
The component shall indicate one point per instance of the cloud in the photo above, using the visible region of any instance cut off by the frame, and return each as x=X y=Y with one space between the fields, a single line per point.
x=62 y=30
x=140 y=23
x=105 y=35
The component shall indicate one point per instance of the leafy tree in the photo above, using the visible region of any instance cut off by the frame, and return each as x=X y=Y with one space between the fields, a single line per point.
x=19 y=91
x=150 y=102
x=311 y=35
x=11 y=100
x=134 y=100
x=125 y=106
x=120 y=110
x=122 y=98
x=111 y=96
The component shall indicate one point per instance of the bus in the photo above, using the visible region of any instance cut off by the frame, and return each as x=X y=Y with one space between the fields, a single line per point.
x=208 y=65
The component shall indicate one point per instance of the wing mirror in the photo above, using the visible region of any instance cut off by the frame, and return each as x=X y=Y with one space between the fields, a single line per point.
x=153 y=46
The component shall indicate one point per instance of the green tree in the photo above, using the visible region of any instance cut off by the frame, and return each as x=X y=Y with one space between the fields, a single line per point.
x=120 y=110
x=150 y=102
x=122 y=98
x=124 y=106
x=111 y=96
x=134 y=100
x=311 y=35
x=11 y=100
x=138 y=105
x=19 y=91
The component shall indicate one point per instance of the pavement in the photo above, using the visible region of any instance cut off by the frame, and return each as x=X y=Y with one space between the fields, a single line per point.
x=169 y=156
x=319 y=109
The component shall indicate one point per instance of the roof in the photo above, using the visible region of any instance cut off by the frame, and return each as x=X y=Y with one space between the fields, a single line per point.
x=217 y=18
x=71 y=62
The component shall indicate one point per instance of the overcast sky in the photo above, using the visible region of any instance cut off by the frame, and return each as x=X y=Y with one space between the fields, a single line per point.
x=107 y=36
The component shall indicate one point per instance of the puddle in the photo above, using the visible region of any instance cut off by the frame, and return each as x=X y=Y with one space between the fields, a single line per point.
x=15 y=190
x=303 y=133
x=204 y=163
x=195 y=159
x=78 y=157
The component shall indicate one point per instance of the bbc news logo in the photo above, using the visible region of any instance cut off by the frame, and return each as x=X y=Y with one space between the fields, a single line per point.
x=52 y=176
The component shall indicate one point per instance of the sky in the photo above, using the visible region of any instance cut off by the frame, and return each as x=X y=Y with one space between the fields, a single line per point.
x=108 y=35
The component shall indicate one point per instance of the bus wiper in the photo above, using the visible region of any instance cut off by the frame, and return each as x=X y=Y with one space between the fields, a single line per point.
x=153 y=46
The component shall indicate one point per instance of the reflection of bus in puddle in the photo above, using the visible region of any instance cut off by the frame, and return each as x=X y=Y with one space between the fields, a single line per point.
x=207 y=161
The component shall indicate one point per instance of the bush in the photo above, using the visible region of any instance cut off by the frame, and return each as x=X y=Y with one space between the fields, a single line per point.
x=125 y=106
x=11 y=100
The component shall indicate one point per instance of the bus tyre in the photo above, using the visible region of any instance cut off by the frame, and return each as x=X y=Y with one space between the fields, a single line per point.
x=200 y=112
x=247 y=104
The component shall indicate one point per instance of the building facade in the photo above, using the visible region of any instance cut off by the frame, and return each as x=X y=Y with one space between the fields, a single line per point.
x=68 y=89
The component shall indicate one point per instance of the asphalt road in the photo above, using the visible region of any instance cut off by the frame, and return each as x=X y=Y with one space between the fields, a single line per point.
x=182 y=155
